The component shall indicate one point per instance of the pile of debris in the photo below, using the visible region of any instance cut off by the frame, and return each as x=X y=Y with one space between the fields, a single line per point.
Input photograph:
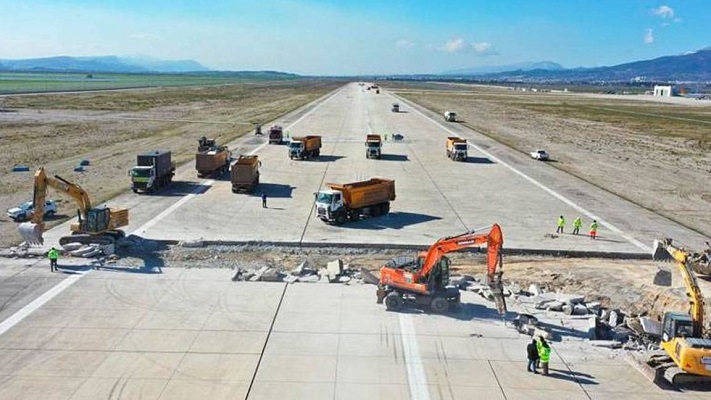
x=22 y=251
x=334 y=272
x=88 y=250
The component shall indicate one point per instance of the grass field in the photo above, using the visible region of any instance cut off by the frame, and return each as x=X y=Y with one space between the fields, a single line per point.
x=13 y=83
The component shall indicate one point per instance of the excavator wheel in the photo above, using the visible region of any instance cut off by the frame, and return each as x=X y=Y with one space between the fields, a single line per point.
x=394 y=301
x=439 y=305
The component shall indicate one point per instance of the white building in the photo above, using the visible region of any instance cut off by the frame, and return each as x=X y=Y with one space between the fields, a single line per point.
x=663 y=91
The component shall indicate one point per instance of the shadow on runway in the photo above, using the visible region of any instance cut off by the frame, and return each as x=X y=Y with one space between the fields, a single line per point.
x=479 y=160
x=276 y=190
x=394 y=157
x=326 y=158
x=572 y=376
x=394 y=220
x=180 y=188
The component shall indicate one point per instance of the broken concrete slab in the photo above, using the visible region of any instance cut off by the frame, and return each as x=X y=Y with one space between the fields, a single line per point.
x=610 y=344
x=72 y=246
x=368 y=276
x=650 y=326
x=580 y=309
x=334 y=269
x=258 y=274
x=534 y=289
x=309 y=278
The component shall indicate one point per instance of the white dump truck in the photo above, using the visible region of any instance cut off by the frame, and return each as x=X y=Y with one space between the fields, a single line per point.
x=450 y=116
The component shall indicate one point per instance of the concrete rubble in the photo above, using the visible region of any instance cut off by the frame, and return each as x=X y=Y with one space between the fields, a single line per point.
x=334 y=272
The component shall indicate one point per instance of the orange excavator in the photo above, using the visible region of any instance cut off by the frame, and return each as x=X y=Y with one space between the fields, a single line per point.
x=425 y=281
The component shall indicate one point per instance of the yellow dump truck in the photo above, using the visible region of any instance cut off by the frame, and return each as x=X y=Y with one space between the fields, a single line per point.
x=373 y=146
x=457 y=148
x=305 y=147
x=211 y=159
x=245 y=174
x=348 y=202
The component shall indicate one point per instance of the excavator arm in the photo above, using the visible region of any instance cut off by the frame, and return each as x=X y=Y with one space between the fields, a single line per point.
x=33 y=230
x=693 y=291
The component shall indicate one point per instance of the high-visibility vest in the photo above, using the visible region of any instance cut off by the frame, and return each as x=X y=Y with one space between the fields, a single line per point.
x=578 y=223
x=593 y=226
x=544 y=353
x=53 y=254
x=561 y=221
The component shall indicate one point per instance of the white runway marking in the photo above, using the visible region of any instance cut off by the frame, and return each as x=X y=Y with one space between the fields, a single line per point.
x=416 y=376
x=22 y=313
x=550 y=191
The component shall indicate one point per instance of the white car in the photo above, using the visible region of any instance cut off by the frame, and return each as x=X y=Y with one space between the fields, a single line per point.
x=25 y=210
x=540 y=155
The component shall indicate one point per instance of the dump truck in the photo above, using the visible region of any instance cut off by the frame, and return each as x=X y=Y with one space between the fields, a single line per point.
x=153 y=170
x=348 y=202
x=305 y=147
x=457 y=148
x=450 y=116
x=245 y=174
x=395 y=108
x=373 y=146
x=211 y=159
x=276 y=134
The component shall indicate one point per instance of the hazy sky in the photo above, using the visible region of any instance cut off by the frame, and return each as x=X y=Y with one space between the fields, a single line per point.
x=357 y=36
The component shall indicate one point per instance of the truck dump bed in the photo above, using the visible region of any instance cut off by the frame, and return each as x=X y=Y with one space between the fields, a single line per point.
x=373 y=138
x=244 y=170
x=366 y=193
x=452 y=140
x=311 y=142
x=207 y=162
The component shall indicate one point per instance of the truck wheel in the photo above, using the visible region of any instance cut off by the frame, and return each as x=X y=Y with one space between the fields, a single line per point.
x=394 y=301
x=134 y=190
x=354 y=217
x=375 y=210
x=439 y=305
x=340 y=219
x=384 y=208
x=317 y=153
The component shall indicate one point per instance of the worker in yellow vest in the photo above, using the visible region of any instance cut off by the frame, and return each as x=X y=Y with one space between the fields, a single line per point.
x=593 y=230
x=561 y=224
x=53 y=255
x=577 y=224
x=544 y=352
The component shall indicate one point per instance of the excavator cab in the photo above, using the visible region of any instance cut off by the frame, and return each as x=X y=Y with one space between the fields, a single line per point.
x=97 y=220
x=677 y=325
x=438 y=279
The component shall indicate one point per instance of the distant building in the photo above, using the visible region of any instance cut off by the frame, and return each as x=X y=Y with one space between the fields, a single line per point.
x=663 y=91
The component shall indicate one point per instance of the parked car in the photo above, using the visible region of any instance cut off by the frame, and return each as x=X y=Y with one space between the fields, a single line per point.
x=540 y=155
x=25 y=210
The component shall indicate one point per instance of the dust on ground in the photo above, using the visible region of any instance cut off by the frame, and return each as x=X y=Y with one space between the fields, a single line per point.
x=109 y=128
x=654 y=154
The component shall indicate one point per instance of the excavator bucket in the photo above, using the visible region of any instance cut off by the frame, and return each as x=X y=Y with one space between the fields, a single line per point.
x=31 y=233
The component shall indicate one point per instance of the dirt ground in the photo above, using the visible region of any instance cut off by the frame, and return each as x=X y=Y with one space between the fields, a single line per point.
x=655 y=154
x=622 y=284
x=108 y=128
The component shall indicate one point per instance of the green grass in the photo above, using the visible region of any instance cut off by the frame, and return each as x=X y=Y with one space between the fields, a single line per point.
x=15 y=83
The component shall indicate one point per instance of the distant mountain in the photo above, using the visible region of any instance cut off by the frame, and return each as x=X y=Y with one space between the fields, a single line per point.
x=103 y=64
x=694 y=67
x=525 y=66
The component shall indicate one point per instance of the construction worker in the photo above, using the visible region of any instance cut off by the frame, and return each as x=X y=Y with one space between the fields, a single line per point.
x=561 y=224
x=386 y=136
x=264 y=200
x=577 y=223
x=53 y=255
x=532 y=350
x=593 y=230
x=544 y=352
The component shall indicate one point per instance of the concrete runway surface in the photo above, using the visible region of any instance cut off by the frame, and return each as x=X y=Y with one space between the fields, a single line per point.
x=193 y=333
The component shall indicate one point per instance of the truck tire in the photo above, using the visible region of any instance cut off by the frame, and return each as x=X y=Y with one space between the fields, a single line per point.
x=394 y=301
x=375 y=210
x=317 y=153
x=354 y=216
x=340 y=219
x=439 y=305
x=385 y=208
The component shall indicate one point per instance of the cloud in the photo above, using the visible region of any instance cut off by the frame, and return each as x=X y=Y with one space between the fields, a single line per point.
x=455 y=45
x=404 y=44
x=663 y=11
x=484 y=48
x=649 y=36
x=146 y=37
x=459 y=45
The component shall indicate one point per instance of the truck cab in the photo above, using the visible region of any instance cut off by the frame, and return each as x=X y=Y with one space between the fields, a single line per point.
x=373 y=146
x=296 y=148
x=142 y=177
x=460 y=151
x=450 y=116
x=329 y=203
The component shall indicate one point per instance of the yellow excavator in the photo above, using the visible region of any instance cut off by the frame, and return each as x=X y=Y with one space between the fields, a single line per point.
x=686 y=357
x=98 y=225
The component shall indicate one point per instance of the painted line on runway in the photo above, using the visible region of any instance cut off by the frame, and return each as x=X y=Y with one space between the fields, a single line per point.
x=25 y=311
x=416 y=376
x=550 y=191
